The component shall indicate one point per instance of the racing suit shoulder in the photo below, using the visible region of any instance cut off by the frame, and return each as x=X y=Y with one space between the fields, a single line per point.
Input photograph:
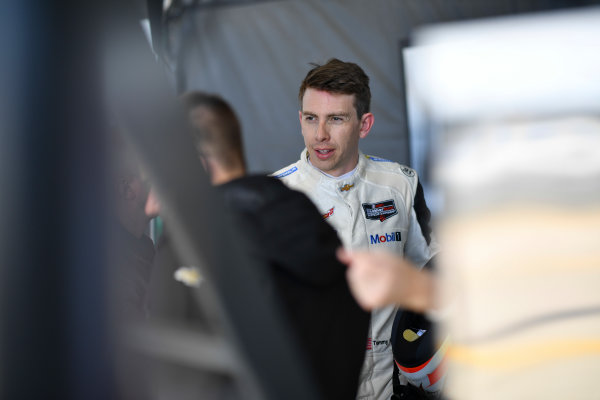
x=299 y=175
x=285 y=172
x=392 y=174
x=405 y=180
x=290 y=175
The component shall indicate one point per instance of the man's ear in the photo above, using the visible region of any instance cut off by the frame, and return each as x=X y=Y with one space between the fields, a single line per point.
x=366 y=123
x=300 y=115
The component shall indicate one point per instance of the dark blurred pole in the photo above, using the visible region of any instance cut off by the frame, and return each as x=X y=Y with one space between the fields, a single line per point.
x=53 y=335
x=155 y=16
x=270 y=364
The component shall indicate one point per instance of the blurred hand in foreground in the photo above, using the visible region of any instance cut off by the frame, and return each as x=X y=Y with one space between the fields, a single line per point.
x=378 y=279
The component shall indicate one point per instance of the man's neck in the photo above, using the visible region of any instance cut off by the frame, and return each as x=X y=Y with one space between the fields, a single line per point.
x=219 y=175
x=341 y=177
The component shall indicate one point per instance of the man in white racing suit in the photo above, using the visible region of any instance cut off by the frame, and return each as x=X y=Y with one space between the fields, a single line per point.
x=371 y=202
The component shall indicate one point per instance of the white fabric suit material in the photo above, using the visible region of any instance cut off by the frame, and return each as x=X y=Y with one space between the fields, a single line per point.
x=370 y=209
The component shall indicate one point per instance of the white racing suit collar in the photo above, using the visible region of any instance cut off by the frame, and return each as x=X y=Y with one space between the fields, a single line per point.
x=329 y=182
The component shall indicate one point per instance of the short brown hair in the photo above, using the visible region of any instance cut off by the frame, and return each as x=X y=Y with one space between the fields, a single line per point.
x=223 y=134
x=339 y=77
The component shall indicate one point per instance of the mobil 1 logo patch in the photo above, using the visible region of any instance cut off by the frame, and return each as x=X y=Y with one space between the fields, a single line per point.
x=381 y=210
x=386 y=237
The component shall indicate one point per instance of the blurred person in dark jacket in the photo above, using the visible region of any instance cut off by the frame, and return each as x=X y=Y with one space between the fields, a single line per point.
x=131 y=258
x=132 y=250
x=288 y=234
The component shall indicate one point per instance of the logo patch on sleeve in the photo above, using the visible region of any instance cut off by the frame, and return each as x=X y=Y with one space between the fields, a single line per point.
x=381 y=210
x=408 y=172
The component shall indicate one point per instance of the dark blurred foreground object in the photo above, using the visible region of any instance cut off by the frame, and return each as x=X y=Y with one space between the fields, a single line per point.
x=254 y=351
x=281 y=229
x=54 y=332
x=287 y=232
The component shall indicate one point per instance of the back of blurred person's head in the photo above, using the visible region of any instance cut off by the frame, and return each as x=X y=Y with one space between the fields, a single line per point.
x=217 y=135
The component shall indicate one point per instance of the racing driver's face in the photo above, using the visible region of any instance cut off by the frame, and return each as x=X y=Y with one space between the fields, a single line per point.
x=331 y=130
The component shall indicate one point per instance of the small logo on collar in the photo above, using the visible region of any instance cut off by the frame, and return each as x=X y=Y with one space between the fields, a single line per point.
x=328 y=213
x=346 y=187
x=378 y=159
x=286 y=173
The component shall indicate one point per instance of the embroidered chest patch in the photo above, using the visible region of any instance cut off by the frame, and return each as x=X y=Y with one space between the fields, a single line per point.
x=381 y=210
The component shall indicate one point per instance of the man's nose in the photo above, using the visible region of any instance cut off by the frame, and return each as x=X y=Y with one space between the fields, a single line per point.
x=322 y=133
x=152 y=205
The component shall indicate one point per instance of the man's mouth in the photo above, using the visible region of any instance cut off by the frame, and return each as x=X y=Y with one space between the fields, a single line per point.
x=323 y=154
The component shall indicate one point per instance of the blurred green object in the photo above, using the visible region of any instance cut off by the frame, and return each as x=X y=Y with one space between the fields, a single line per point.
x=156 y=229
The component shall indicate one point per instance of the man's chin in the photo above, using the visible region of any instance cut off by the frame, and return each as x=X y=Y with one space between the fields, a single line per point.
x=324 y=166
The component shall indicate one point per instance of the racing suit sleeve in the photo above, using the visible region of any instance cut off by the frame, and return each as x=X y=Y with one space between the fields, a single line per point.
x=421 y=246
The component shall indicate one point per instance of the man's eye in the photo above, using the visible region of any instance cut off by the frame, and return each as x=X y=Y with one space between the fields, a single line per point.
x=337 y=119
x=309 y=118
